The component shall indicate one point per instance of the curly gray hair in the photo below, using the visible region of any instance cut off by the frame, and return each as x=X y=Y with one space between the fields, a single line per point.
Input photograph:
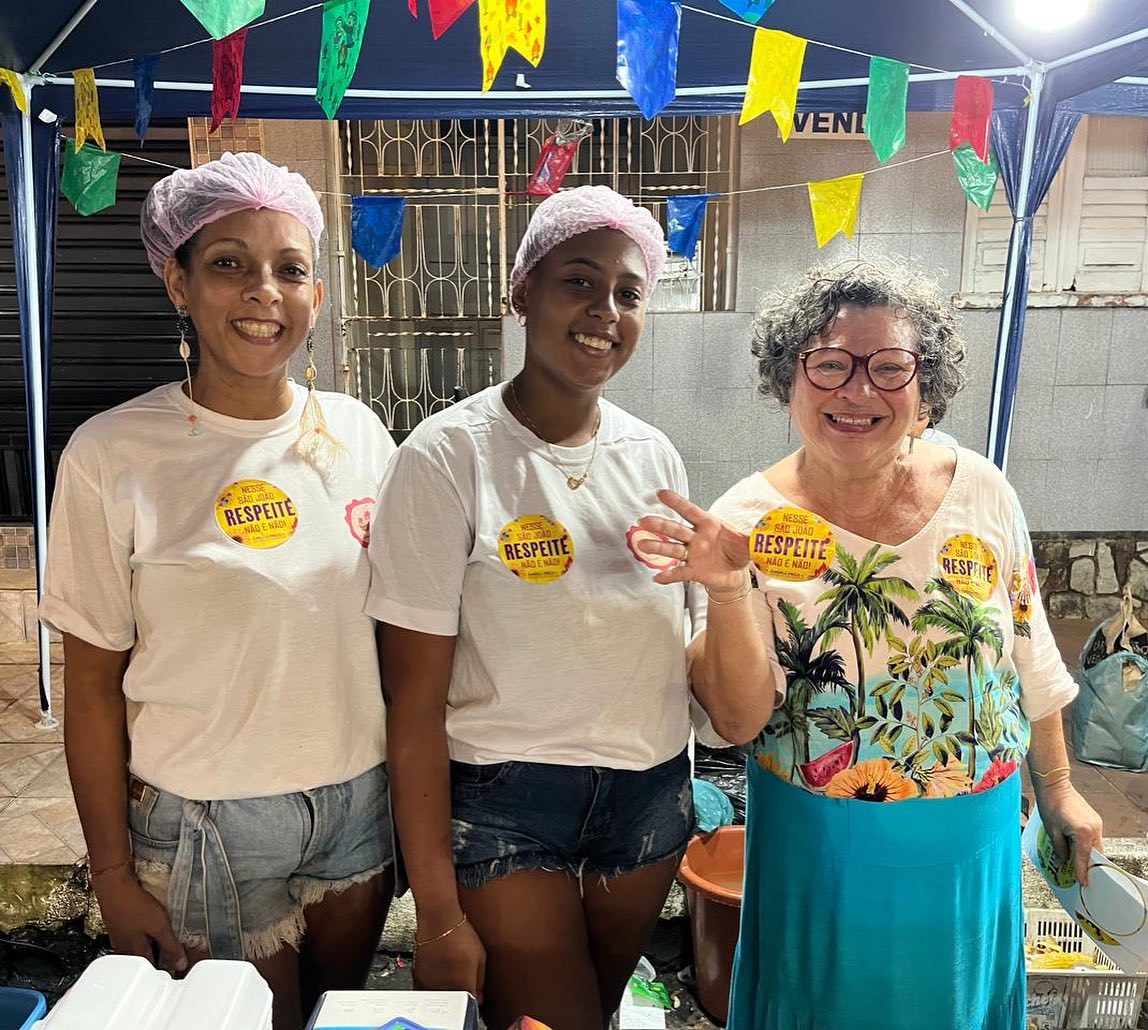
x=787 y=320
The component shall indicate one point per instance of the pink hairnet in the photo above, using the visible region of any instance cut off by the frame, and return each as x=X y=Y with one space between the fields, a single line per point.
x=177 y=207
x=573 y=212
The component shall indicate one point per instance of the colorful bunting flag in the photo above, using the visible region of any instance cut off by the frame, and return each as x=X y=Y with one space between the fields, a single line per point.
x=377 y=228
x=12 y=81
x=344 y=23
x=227 y=77
x=503 y=24
x=221 y=18
x=413 y=7
x=444 y=13
x=835 y=203
x=143 y=71
x=87 y=103
x=89 y=179
x=685 y=216
x=972 y=109
x=648 y=51
x=749 y=10
x=774 y=72
x=885 y=108
x=977 y=178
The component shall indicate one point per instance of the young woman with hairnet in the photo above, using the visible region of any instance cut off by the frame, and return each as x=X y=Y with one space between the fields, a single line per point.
x=207 y=567
x=538 y=706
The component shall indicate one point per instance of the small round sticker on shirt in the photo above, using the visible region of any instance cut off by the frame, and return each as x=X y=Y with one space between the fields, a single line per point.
x=968 y=566
x=792 y=544
x=636 y=535
x=255 y=513
x=536 y=548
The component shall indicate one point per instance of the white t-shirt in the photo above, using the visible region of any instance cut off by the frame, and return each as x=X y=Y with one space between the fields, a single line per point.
x=236 y=575
x=952 y=614
x=567 y=651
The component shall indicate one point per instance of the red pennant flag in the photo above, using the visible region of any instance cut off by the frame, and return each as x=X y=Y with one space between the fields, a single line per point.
x=413 y=7
x=444 y=13
x=972 y=108
x=226 y=77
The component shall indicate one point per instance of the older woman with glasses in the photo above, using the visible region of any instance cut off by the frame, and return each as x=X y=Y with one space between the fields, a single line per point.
x=875 y=632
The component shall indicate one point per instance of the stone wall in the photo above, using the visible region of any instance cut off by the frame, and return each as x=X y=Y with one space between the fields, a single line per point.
x=1082 y=576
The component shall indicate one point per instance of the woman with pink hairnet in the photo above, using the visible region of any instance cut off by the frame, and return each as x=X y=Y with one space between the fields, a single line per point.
x=538 y=706
x=207 y=567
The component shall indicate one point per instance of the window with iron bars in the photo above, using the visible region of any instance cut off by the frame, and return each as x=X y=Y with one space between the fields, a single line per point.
x=427 y=328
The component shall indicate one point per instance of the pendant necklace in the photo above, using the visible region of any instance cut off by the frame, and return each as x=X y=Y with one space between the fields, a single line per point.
x=572 y=481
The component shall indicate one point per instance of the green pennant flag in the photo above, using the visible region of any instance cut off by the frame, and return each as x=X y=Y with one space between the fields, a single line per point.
x=344 y=22
x=89 y=179
x=223 y=17
x=885 y=109
x=977 y=178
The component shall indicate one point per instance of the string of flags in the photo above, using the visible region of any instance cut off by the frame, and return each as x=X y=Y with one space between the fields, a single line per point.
x=648 y=35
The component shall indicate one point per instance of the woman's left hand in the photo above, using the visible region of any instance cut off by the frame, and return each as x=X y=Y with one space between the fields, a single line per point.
x=1072 y=825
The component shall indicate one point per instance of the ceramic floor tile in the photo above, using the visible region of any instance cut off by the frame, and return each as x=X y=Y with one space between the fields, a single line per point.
x=16 y=774
x=18 y=722
x=27 y=841
x=52 y=782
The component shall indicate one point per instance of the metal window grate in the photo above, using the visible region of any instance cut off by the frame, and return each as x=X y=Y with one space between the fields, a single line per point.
x=239 y=136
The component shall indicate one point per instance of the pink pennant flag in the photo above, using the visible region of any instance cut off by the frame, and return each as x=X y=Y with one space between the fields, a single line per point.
x=413 y=7
x=972 y=109
x=444 y=13
x=227 y=77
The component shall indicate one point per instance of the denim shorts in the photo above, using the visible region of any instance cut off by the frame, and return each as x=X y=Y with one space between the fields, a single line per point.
x=235 y=876
x=512 y=816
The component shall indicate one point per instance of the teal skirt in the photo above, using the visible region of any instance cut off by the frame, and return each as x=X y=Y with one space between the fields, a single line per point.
x=898 y=916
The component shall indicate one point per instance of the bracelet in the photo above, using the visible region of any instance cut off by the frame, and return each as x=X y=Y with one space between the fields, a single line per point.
x=745 y=592
x=1052 y=772
x=445 y=933
x=93 y=873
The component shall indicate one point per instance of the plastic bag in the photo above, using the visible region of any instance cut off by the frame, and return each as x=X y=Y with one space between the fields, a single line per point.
x=556 y=157
x=725 y=769
x=1110 y=716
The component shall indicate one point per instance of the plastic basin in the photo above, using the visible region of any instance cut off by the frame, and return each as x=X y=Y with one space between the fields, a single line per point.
x=19 y=1008
x=712 y=873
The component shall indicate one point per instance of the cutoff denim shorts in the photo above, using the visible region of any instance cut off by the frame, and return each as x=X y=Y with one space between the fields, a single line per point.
x=235 y=876
x=513 y=816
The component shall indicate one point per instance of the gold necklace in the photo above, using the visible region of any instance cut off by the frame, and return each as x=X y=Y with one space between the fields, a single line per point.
x=572 y=481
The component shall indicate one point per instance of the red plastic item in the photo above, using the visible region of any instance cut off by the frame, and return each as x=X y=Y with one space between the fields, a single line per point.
x=972 y=109
x=553 y=164
x=712 y=872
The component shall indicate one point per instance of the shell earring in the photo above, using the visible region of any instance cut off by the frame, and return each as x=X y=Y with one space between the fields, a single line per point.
x=183 y=324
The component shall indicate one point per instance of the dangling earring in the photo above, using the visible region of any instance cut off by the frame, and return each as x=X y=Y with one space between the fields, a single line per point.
x=788 y=429
x=522 y=319
x=183 y=323
x=316 y=443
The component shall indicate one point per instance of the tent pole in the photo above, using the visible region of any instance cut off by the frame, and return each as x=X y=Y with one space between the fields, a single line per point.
x=34 y=371
x=1000 y=429
x=1100 y=48
x=64 y=33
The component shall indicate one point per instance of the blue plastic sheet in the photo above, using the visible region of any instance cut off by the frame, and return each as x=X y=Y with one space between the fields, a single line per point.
x=377 y=228
x=685 y=216
x=648 y=52
x=143 y=71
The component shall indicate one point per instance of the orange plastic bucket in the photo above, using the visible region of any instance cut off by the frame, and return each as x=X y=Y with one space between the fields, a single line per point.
x=712 y=873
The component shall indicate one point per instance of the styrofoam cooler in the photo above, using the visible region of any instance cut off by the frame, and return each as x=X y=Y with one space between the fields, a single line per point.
x=390 y=1010
x=125 y=992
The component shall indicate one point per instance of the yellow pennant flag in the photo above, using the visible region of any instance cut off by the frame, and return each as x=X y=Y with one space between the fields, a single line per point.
x=835 y=204
x=774 y=72
x=503 y=24
x=87 y=108
x=12 y=81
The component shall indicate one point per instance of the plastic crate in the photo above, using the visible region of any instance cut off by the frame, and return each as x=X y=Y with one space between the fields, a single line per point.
x=20 y=1008
x=1090 y=999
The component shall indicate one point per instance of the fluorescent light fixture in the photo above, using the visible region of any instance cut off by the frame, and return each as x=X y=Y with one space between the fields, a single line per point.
x=1050 y=15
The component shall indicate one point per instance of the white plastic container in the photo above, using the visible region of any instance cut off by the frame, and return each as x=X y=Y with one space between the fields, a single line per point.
x=389 y=1010
x=125 y=992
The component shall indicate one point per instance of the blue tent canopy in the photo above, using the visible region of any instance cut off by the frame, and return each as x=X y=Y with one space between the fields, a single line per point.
x=1045 y=80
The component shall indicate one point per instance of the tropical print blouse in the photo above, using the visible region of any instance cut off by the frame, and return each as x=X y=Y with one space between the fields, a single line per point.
x=908 y=671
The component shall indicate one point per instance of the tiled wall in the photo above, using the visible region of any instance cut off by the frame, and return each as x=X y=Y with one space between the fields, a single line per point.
x=1079 y=456
x=16 y=547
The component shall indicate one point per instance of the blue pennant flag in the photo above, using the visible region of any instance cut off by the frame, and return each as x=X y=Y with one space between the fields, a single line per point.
x=748 y=10
x=143 y=71
x=377 y=228
x=647 y=64
x=684 y=219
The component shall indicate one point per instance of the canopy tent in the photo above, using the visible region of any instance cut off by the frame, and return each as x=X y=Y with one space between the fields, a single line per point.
x=1045 y=80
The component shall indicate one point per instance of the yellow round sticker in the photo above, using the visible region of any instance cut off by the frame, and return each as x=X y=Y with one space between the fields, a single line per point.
x=256 y=513
x=792 y=544
x=536 y=548
x=968 y=566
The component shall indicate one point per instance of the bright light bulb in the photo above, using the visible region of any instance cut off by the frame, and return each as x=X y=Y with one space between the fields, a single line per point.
x=1051 y=14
